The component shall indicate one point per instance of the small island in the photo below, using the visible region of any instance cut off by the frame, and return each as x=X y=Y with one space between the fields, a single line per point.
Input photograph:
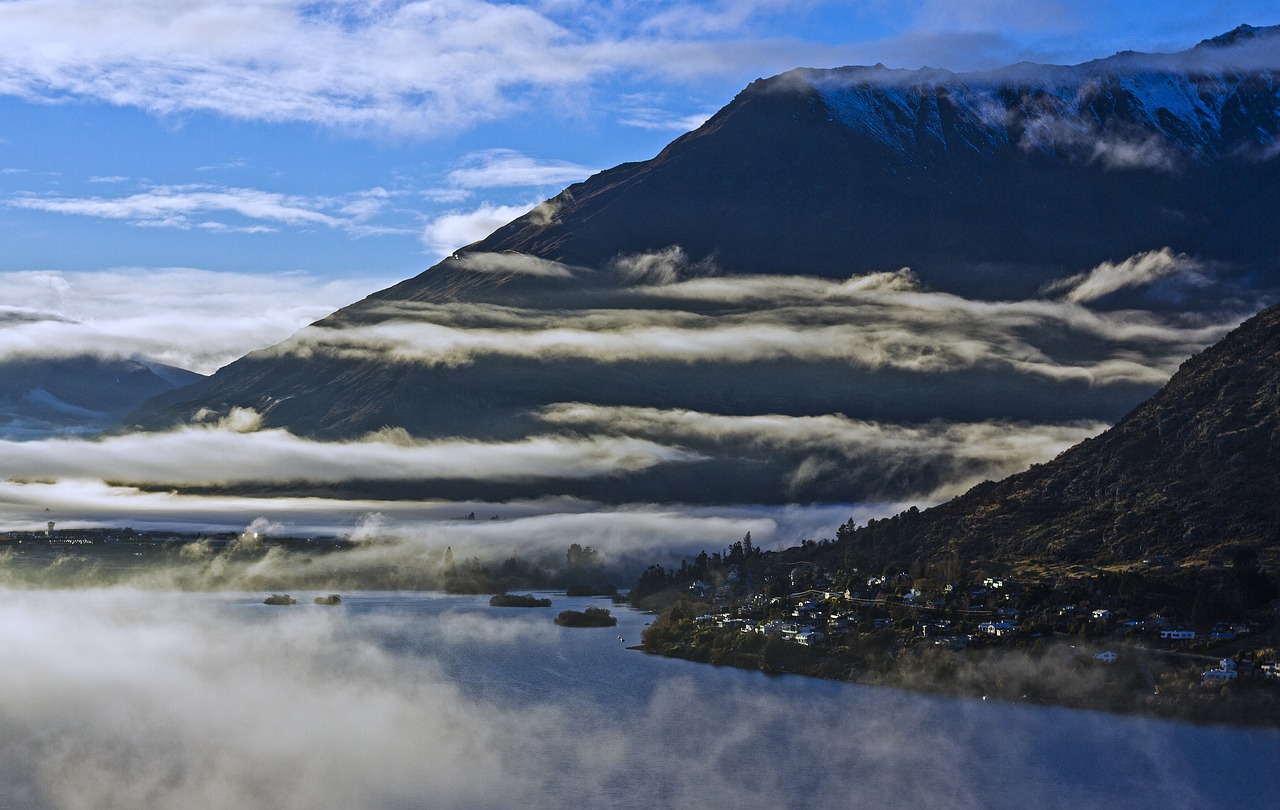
x=279 y=599
x=331 y=599
x=520 y=600
x=591 y=617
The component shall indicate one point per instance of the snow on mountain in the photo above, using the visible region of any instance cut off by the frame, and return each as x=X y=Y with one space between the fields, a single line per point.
x=1201 y=103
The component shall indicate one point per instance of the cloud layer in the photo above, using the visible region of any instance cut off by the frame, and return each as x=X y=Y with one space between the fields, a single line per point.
x=666 y=311
x=194 y=319
x=834 y=445
x=230 y=454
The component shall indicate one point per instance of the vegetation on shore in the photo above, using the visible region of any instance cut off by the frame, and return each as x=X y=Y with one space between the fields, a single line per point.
x=591 y=617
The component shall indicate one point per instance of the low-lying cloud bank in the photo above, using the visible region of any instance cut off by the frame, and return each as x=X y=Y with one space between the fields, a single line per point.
x=399 y=545
x=658 y=308
x=190 y=318
x=223 y=455
x=966 y=453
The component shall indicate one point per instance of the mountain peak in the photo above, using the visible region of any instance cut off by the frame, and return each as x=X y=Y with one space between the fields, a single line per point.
x=1239 y=34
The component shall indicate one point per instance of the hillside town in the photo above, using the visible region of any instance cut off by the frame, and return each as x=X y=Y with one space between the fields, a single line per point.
x=1137 y=641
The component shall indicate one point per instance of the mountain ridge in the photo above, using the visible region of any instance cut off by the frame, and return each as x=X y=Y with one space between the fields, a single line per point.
x=1188 y=475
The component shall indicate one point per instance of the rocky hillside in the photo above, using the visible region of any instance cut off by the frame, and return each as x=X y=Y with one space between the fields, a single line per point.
x=1191 y=474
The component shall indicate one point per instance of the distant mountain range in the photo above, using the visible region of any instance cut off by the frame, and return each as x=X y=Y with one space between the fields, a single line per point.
x=1188 y=476
x=79 y=395
x=756 y=267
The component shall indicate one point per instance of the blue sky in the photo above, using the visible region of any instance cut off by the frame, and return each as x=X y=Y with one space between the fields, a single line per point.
x=345 y=146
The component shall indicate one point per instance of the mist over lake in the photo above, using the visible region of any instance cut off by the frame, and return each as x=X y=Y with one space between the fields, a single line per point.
x=119 y=698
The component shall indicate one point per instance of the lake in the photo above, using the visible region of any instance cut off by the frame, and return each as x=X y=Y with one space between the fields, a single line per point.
x=119 y=698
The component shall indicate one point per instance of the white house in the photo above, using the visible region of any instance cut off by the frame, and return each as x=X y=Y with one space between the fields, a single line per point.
x=1178 y=635
x=809 y=637
x=1218 y=676
x=1107 y=657
x=1102 y=615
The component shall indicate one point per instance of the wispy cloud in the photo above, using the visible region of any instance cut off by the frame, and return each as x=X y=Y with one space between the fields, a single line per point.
x=1141 y=270
x=187 y=206
x=508 y=168
x=653 y=111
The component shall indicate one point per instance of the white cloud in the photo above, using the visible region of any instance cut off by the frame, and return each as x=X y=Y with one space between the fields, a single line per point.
x=195 y=319
x=456 y=229
x=507 y=168
x=183 y=206
x=410 y=67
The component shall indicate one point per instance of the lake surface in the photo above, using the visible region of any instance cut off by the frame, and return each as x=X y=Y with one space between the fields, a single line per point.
x=407 y=700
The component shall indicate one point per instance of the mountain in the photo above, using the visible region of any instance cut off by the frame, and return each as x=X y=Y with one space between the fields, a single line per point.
x=985 y=184
x=921 y=248
x=1190 y=475
x=78 y=395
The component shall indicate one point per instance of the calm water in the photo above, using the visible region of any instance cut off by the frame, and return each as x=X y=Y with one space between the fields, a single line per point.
x=424 y=700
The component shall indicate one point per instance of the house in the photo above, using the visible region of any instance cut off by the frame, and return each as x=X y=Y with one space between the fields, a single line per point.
x=1218 y=676
x=809 y=637
x=1107 y=657
x=1102 y=615
x=997 y=628
x=1178 y=635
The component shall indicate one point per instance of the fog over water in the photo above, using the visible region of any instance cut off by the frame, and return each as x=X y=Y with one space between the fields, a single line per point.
x=120 y=699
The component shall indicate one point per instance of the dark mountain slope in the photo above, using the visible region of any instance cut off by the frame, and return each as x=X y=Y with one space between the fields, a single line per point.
x=1191 y=474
